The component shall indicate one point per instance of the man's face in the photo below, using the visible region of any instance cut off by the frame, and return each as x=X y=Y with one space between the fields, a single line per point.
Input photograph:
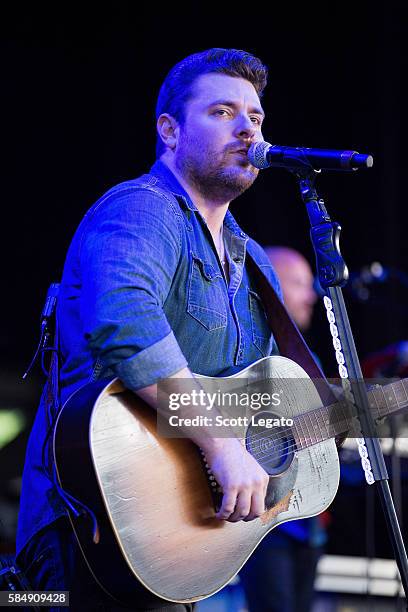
x=297 y=287
x=222 y=118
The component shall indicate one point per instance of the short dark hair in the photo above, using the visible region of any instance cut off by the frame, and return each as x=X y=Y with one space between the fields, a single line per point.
x=177 y=86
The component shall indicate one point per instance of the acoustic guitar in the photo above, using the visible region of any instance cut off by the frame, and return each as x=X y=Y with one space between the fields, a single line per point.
x=154 y=497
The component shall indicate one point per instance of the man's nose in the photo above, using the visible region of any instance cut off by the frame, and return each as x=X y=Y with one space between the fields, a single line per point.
x=245 y=128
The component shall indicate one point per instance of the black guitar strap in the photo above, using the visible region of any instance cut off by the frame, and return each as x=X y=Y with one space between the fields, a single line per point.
x=288 y=338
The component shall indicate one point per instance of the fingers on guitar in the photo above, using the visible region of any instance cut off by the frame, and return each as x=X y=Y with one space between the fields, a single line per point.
x=246 y=504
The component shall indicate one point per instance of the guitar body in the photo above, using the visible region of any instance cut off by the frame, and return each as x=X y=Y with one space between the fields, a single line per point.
x=151 y=495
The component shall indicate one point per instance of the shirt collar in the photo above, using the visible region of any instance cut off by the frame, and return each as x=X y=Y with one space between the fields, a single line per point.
x=164 y=173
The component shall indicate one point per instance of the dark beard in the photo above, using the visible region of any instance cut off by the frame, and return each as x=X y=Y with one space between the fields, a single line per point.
x=218 y=184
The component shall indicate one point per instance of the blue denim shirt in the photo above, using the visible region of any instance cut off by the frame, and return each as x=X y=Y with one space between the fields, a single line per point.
x=143 y=295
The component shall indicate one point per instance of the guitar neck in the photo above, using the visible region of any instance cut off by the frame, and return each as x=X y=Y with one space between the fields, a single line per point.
x=336 y=419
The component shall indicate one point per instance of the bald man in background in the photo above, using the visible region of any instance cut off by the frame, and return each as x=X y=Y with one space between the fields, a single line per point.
x=279 y=577
x=296 y=281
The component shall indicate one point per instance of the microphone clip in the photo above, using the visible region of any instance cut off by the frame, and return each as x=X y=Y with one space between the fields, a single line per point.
x=47 y=327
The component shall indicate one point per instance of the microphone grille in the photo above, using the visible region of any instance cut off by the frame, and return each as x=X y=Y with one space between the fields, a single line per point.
x=257 y=154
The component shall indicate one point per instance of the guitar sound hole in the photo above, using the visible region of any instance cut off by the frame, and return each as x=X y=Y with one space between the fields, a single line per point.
x=271 y=445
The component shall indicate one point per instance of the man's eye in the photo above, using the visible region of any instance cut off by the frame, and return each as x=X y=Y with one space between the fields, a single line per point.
x=256 y=120
x=222 y=112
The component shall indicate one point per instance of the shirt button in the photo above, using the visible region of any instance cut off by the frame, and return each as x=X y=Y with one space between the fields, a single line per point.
x=243 y=235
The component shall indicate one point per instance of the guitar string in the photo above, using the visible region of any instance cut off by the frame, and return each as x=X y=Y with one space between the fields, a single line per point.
x=267 y=456
x=261 y=437
x=291 y=446
x=264 y=455
x=315 y=411
x=283 y=445
x=268 y=453
x=280 y=447
x=310 y=435
x=285 y=432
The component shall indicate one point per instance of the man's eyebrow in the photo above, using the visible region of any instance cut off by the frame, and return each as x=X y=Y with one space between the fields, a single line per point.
x=254 y=110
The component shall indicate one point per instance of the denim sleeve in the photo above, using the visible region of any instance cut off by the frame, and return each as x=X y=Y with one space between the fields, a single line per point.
x=128 y=259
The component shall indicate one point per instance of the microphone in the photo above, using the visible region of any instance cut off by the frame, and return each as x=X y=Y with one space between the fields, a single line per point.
x=264 y=155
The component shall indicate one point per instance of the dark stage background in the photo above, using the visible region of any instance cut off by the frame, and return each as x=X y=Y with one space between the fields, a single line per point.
x=79 y=90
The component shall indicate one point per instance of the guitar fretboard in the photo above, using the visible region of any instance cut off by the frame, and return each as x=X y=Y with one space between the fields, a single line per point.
x=330 y=421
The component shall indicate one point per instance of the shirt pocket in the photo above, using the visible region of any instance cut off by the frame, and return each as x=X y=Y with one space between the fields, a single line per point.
x=261 y=333
x=206 y=295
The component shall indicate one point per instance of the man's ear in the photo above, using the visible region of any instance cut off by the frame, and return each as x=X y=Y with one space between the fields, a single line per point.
x=168 y=130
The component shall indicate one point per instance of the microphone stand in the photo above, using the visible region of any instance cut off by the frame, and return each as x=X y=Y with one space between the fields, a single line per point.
x=333 y=274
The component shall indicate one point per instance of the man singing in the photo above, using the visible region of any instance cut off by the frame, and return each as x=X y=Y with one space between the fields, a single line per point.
x=156 y=285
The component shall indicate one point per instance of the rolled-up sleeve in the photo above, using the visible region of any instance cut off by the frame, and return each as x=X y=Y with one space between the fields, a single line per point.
x=129 y=255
